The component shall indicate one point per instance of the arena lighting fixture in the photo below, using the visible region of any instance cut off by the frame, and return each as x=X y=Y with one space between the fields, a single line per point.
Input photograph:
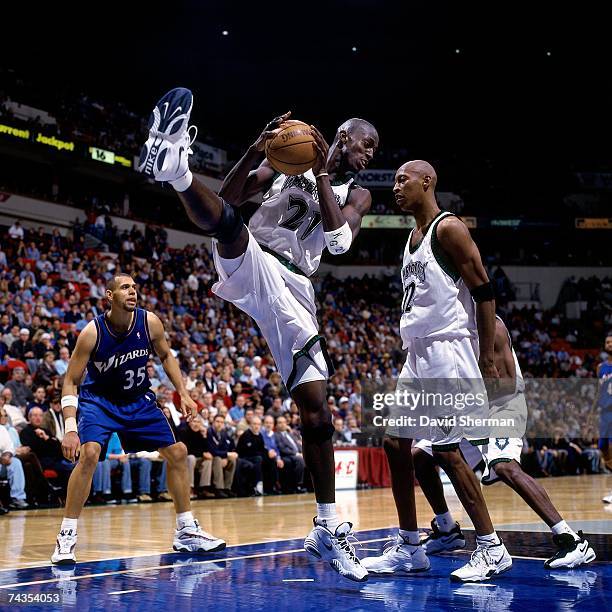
x=354 y=49
x=225 y=33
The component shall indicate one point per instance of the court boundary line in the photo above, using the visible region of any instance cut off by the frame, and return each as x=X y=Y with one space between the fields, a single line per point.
x=160 y=567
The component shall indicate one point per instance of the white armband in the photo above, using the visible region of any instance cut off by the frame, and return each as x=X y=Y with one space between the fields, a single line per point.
x=339 y=240
x=70 y=400
x=70 y=424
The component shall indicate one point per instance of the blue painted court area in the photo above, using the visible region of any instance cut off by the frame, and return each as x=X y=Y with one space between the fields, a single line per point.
x=281 y=576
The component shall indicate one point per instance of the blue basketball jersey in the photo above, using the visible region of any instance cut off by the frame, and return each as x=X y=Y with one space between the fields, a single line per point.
x=117 y=368
x=605 y=389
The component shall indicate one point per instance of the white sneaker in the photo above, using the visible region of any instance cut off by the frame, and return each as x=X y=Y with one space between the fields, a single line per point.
x=443 y=541
x=336 y=549
x=164 y=157
x=192 y=538
x=485 y=562
x=399 y=558
x=582 y=580
x=64 y=547
x=571 y=553
x=607 y=499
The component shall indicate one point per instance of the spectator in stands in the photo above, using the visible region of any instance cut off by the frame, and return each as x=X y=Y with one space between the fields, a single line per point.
x=276 y=409
x=115 y=459
x=53 y=420
x=15 y=414
x=46 y=448
x=40 y=400
x=237 y=412
x=341 y=435
x=61 y=364
x=291 y=452
x=22 y=348
x=46 y=372
x=223 y=395
x=16 y=231
x=252 y=452
x=12 y=470
x=21 y=393
x=222 y=448
x=194 y=435
x=274 y=460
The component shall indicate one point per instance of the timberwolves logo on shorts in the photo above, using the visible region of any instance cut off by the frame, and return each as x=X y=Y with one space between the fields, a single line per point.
x=501 y=443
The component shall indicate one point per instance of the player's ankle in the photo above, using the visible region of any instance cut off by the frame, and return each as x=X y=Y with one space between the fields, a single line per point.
x=563 y=527
x=69 y=523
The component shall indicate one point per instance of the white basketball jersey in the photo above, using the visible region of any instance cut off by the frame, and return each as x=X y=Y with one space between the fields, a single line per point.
x=289 y=219
x=436 y=301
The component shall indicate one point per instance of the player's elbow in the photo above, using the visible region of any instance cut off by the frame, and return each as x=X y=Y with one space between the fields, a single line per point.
x=339 y=241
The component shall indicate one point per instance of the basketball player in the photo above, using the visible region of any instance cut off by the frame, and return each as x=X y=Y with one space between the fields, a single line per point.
x=114 y=349
x=264 y=269
x=604 y=401
x=502 y=459
x=448 y=315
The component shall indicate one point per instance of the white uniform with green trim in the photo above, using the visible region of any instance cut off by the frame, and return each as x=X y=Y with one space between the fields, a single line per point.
x=271 y=283
x=438 y=328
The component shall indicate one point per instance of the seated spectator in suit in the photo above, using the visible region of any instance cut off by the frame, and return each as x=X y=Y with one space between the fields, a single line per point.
x=47 y=448
x=274 y=461
x=291 y=452
x=341 y=435
x=46 y=372
x=225 y=457
x=194 y=435
x=252 y=452
x=12 y=470
x=15 y=414
x=22 y=348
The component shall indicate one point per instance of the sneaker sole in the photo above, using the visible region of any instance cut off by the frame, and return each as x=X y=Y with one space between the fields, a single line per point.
x=398 y=572
x=64 y=561
x=184 y=549
x=312 y=550
x=178 y=99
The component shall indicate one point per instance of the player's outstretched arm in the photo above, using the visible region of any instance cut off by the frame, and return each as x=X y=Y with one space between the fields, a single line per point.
x=454 y=237
x=74 y=375
x=242 y=182
x=170 y=364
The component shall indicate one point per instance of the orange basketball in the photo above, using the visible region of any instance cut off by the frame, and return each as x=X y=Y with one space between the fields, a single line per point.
x=292 y=150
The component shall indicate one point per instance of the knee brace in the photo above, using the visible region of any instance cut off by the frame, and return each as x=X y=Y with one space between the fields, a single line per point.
x=229 y=226
x=317 y=433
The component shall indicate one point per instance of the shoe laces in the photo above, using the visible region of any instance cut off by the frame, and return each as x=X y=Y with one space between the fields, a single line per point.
x=481 y=554
x=199 y=531
x=345 y=544
x=65 y=538
x=391 y=546
x=192 y=129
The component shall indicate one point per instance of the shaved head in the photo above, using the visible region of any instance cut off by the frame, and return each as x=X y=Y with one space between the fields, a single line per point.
x=422 y=169
x=350 y=126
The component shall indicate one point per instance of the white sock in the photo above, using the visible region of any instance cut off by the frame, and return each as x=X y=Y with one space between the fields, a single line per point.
x=488 y=540
x=327 y=517
x=445 y=522
x=410 y=537
x=563 y=527
x=259 y=487
x=183 y=519
x=183 y=183
x=68 y=523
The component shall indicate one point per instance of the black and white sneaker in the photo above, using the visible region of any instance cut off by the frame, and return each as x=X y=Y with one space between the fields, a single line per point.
x=336 y=548
x=571 y=553
x=64 y=547
x=443 y=541
x=164 y=157
x=485 y=562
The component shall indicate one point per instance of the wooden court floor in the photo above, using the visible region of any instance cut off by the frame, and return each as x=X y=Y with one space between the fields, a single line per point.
x=111 y=532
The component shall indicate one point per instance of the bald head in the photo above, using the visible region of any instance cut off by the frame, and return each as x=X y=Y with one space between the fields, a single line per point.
x=352 y=126
x=357 y=140
x=421 y=169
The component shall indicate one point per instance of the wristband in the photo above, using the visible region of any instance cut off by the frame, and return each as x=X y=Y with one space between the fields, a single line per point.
x=322 y=174
x=483 y=293
x=70 y=424
x=70 y=400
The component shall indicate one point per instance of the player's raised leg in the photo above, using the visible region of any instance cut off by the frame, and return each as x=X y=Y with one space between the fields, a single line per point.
x=405 y=555
x=189 y=536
